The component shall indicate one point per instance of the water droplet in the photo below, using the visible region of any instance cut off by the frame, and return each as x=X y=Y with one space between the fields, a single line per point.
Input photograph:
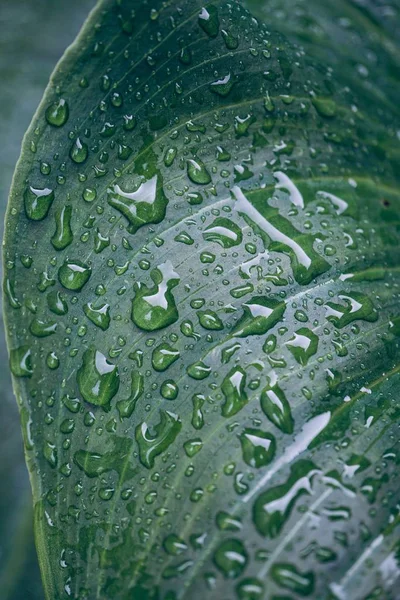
x=57 y=113
x=197 y=414
x=231 y=42
x=197 y=172
x=185 y=56
x=57 y=304
x=210 y=320
x=357 y=306
x=50 y=453
x=306 y=263
x=174 y=545
x=94 y=464
x=37 y=203
x=222 y=87
x=184 y=238
x=209 y=21
x=21 y=362
x=10 y=294
x=224 y=232
x=303 y=345
x=260 y=314
x=169 y=156
x=192 y=447
x=258 y=447
x=63 y=234
x=325 y=107
x=164 y=356
x=198 y=370
x=231 y=558
x=155 y=308
x=227 y=522
x=101 y=242
x=98 y=379
x=251 y=589
x=152 y=445
x=26 y=423
x=74 y=274
x=277 y=408
x=79 y=151
x=126 y=407
x=289 y=577
x=272 y=509
x=242 y=124
x=145 y=205
x=169 y=390
x=233 y=388
x=98 y=316
x=41 y=329
x=194 y=198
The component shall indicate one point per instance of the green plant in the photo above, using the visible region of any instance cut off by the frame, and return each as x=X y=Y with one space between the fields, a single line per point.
x=202 y=256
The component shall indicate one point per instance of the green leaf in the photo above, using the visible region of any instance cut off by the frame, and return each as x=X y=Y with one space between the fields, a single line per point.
x=202 y=257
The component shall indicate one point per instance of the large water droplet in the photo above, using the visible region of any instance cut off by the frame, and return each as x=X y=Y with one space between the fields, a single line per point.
x=63 y=234
x=289 y=577
x=306 y=263
x=37 y=202
x=198 y=370
x=210 y=320
x=57 y=304
x=57 y=113
x=258 y=447
x=260 y=314
x=98 y=379
x=273 y=508
x=222 y=87
x=231 y=558
x=127 y=406
x=224 y=232
x=303 y=345
x=41 y=329
x=155 y=308
x=233 y=388
x=357 y=306
x=197 y=171
x=197 y=414
x=98 y=316
x=250 y=589
x=174 y=545
x=164 y=356
x=74 y=274
x=276 y=407
x=209 y=21
x=21 y=362
x=325 y=107
x=145 y=205
x=152 y=445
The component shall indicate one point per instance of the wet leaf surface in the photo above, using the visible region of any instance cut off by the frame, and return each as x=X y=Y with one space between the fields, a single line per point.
x=202 y=258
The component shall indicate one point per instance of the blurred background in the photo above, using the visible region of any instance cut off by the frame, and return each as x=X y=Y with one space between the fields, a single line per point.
x=33 y=36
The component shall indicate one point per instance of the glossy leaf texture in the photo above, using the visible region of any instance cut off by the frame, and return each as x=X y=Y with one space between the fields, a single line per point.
x=202 y=256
